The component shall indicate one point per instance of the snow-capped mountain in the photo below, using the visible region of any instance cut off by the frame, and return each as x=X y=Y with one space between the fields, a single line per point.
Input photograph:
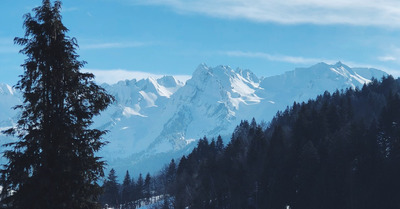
x=9 y=98
x=154 y=120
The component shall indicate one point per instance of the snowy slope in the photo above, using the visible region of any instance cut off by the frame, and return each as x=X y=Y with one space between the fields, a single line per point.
x=154 y=120
x=9 y=98
x=304 y=83
x=206 y=105
x=133 y=120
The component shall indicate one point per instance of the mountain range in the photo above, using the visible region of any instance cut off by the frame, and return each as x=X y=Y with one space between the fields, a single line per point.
x=155 y=120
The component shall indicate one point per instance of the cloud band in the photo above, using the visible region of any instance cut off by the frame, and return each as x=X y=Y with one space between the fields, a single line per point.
x=354 y=12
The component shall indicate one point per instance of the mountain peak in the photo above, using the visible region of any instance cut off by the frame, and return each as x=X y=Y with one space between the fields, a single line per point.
x=323 y=65
x=169 y=81
x=126 y=82
x=339 y=63
x=5 y=89
x=323 y=69
x=248 y=74
x=220 y=73
x=202 y=67
x=201 y=71
x=320 y=64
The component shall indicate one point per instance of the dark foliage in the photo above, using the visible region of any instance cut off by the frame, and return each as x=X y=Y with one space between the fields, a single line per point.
x=111 y=187
x=127 y=189
x=131 y=194
x=341 y=150
x=53 y=164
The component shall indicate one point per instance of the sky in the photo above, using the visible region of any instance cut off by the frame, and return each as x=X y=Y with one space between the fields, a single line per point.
x=125 y=39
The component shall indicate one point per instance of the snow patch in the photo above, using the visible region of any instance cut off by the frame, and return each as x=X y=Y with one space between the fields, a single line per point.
x=10 y=89
x=131 y=112
x=360 y=79
x=189 y=141
x=150 y=98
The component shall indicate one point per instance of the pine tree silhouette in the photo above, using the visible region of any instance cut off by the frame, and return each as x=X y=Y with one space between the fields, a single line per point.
x=53 y=164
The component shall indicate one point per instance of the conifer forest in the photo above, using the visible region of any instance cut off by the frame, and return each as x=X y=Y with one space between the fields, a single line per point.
x=340 y=150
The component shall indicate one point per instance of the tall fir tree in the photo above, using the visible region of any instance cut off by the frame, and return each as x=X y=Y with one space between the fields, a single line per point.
x=139 y=187
x=147 y=187
x=127 y=189
x=111 y=190
x=170 y=177
x=219 y=144
x=53 y=164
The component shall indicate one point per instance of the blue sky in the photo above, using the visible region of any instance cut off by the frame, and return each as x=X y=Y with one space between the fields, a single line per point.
x=123 y=39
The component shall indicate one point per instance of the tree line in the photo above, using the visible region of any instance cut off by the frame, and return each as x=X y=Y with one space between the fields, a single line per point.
x=341 y=150
x=133 y=193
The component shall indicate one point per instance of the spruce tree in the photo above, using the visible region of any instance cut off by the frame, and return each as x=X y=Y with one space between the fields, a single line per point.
x=111 y=190
x=147 y=187
x=139 y=187
x=170 y=177
x=127 y=189
x=53 y=162
x=219 y=144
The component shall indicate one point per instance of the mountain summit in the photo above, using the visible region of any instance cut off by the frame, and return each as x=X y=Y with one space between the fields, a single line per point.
x=154 y=120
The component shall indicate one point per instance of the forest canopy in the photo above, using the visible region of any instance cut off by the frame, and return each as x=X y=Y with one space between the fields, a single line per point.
x=341 y=150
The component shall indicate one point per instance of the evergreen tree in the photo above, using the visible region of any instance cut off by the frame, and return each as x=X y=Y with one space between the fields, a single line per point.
x=139 y=188
x=126 y=195
x=219 y=144
x=147 y=187
x=53 y=164
x=111 y=190
x=170 y=177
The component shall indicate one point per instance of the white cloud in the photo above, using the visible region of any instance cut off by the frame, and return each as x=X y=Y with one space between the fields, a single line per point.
x=391 y=54
x=387 y=58
x=115 y=75
x=278 y=58
x=113 y=45
x=354 y=12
